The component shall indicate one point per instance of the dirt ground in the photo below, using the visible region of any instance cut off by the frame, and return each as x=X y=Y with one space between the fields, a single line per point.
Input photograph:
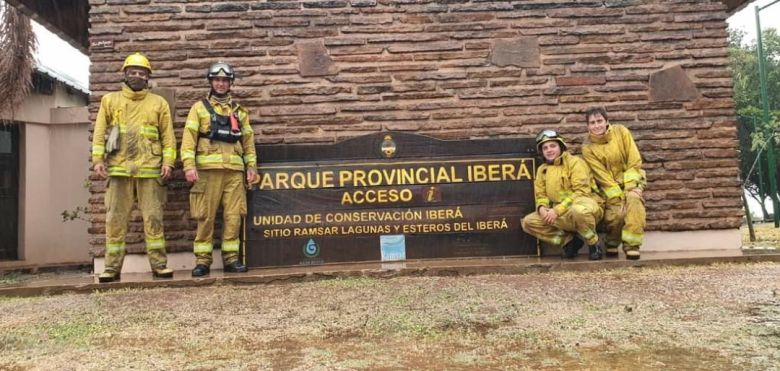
x=719 y=317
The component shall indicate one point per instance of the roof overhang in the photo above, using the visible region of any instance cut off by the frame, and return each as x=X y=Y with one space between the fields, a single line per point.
x=69 y=19
x=734 y=6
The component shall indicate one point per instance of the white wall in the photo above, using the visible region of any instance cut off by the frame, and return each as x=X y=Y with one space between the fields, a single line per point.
x=54 y=165
x=55 y=169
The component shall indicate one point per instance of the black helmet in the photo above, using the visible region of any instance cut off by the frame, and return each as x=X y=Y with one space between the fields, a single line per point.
x=547 y=135
x=221 y=69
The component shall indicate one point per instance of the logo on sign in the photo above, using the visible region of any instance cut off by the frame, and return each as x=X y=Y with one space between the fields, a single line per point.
x=311 y=250
x=388 y=146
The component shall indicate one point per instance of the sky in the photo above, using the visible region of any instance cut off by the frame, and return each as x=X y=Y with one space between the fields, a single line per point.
x=57 y=55
x=745 y=19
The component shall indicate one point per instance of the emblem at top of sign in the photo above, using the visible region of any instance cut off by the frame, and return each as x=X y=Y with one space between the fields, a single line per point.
x=388 y=146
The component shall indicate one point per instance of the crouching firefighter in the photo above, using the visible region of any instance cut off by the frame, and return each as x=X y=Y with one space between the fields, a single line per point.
x=565 y=204
x=133 y=144
x=614 y=158
x=217 y=149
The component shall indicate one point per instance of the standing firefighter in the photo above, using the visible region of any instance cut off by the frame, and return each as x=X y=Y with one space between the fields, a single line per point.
x=617 y=167
x=217 y=148
x=565 y=204
x=133 y=144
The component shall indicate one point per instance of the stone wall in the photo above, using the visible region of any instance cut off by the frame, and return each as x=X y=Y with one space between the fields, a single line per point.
x=323 y=71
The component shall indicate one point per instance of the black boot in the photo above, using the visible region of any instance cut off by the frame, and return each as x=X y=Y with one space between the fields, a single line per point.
x=200 y=270
x=595 y=252
x=569 y=251
x=235 y=267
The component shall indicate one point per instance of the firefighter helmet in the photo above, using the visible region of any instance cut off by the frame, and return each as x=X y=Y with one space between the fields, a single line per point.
x=547 y=135
x=137 y=60
x=221 y=69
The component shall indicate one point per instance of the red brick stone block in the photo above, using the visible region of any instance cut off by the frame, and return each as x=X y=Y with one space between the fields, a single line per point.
x=581 y=80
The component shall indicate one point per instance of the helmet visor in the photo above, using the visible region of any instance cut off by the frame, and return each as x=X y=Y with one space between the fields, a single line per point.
x=220 y=69
x=547 y=134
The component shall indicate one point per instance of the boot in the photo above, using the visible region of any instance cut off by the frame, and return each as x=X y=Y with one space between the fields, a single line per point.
x=200 y=270
x=569 y=251
x=612 y=251
x=162 y=272
x=235 y=267
x=113 y=267
x=633 y=253
x=159 y=262
x=595 y=252
x=108 y=276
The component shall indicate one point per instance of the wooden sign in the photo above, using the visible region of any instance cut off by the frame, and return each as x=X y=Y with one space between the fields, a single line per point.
x=390 y=196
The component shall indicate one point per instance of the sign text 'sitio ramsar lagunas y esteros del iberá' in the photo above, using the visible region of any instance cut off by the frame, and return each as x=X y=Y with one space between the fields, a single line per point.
x=390 y=196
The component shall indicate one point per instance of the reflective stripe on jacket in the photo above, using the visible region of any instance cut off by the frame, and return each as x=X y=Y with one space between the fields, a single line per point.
x=146 y=137
x=559 y=183
x=202 y=153
x=615 y=161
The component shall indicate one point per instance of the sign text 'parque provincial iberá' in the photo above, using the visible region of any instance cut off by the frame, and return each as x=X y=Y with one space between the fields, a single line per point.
x=390 y=196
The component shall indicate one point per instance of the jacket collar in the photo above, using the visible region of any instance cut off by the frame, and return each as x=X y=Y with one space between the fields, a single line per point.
x=133 y=95
x=227 y=101
x=603 y=138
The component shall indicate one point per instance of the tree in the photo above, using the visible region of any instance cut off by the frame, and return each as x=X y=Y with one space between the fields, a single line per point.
x=17 y=61
x=753 y=132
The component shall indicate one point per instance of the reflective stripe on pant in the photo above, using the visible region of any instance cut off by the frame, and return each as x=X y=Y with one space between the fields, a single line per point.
x=629 y=228
x=580 y=218
x=122 y=192
x=212 y=188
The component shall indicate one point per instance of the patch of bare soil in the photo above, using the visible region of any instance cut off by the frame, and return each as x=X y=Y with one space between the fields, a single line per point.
x=720 y=317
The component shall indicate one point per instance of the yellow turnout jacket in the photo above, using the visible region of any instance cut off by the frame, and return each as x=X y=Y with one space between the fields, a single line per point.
x=559 y=183
x=146 y=138
x=199 y=152
x=615 y=161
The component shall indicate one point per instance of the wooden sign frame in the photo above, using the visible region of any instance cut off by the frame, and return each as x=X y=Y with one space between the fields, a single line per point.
x=390 y=196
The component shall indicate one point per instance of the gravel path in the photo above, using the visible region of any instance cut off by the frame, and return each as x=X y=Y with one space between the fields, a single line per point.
x=719 y=317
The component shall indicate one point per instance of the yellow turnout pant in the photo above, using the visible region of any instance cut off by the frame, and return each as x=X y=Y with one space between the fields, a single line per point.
x=212 y=188
x=580 y=218
x=624 y=221
x=121 y=194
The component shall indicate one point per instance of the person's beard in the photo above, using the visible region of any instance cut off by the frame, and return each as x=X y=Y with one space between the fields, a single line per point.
x=136 y=83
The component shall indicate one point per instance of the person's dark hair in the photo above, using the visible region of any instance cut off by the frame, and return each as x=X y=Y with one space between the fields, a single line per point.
x=596 y=110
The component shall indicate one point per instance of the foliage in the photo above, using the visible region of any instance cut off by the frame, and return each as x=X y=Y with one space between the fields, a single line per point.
x=752 y=130
x=78 y=213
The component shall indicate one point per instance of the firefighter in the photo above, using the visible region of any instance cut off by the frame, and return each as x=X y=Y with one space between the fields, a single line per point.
x=218 y=152
x=134 y=146
x=613 y=157
x=565 y=204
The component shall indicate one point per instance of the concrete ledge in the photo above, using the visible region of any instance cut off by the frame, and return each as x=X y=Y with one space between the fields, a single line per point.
x=69 y=115
x=420 y=268
x=715 y=239
x=726 y=239
x=139 y=263
x=27 y=267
